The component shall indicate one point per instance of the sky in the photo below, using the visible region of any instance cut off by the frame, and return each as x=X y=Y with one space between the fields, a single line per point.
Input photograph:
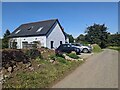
x=74 y=17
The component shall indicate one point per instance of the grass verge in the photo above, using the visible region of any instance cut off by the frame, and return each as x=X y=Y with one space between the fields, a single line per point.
x=41 y=77
x=114 y=48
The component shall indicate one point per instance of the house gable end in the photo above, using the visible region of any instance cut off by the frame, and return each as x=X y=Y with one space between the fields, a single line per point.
x=53 y=26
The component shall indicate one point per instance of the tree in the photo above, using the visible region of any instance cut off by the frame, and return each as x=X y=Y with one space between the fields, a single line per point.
x=97 y=34
x=114 y=39
x=81 y=39
x=5 y=39
x=71 y=39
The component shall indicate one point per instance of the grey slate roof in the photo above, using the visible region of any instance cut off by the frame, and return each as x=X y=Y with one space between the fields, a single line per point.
x=23 y=30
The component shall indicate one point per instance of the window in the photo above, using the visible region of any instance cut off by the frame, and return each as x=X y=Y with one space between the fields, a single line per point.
x=39 y=29
x=30 y=28
x=17 y=31
x=24 y=44
x=68 y=45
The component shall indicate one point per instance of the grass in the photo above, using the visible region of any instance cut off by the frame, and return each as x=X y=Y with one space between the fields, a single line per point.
x=42 y=77
x=114 y=48
x=73 y=55
x=96 y=48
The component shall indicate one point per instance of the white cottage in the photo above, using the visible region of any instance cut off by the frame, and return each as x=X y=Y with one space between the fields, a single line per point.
x=47 y=33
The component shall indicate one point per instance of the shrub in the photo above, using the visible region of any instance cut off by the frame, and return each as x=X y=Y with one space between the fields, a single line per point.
x=33 y=53
x=60 y=55
x=73 y=55
x=96 y=48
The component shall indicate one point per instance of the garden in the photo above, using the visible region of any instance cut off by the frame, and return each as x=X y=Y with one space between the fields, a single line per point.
x=35 y=68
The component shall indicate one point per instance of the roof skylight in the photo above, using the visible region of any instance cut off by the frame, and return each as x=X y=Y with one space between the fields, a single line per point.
x=30 y=28
x=39 y=29
x=17 y=31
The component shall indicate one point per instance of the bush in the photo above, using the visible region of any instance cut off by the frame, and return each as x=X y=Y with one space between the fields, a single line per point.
x=96 y=48
x=33 y=53
x=73 y=55
x=60 y=55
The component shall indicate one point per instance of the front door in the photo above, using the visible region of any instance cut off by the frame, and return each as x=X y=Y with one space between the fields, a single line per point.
x=52 y=44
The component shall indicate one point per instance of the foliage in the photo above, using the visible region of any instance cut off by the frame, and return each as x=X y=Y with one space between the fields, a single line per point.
x=81 y=39
x=114 y=48
x=96 y=48
x=5 y=39
x=114 y=40
x=42 y=77
x=14 y=45
x=60 y=55
x=71 y=39
x=33 y=53
x=73 y=55
x=53 y=57
x=61 y=60
x=97 y=34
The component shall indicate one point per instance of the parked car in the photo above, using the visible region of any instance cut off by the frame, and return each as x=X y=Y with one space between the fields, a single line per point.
x=83 y=48
x=67 y=48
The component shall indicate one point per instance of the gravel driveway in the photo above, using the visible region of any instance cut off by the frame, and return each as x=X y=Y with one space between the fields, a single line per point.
x=99 y=71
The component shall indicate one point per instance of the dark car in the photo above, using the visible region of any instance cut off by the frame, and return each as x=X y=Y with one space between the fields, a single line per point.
x=67 y=48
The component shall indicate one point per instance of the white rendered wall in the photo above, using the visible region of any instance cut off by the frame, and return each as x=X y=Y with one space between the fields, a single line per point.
x=56 y=35
x=19 y=40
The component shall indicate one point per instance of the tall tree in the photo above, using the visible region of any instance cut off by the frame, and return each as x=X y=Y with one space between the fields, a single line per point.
x=5 y=39
x=97 y=34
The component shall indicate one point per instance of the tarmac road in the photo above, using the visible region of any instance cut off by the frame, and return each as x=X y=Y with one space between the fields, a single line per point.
x=99 y=71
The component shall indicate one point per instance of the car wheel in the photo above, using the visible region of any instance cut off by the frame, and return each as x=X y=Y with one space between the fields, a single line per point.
x=85 y=50
x=77 y=51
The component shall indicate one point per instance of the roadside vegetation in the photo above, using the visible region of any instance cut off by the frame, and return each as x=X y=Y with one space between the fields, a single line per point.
x=96 y=48
x=38 y=72
x=114 y=48
x=73 y=55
